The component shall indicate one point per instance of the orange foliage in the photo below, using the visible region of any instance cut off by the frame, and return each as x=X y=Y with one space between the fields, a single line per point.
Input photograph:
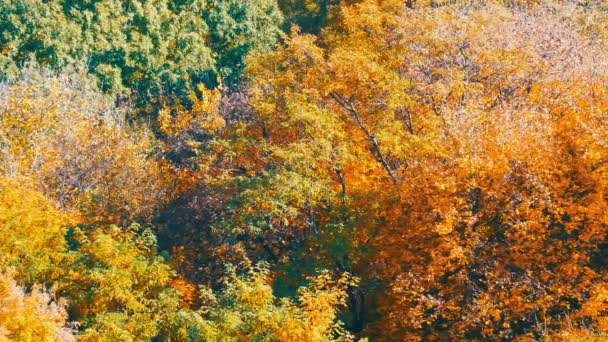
x=472 y=152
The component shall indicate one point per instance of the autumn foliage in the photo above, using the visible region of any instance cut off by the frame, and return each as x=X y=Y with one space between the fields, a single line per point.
x=303 y=170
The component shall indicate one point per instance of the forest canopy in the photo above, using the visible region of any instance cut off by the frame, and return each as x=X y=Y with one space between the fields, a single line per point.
x=295 y=170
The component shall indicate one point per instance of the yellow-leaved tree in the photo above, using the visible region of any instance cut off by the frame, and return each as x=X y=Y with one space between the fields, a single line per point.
x=73 y=142
x=246 y=309
x=32 y=229
x=31 y=317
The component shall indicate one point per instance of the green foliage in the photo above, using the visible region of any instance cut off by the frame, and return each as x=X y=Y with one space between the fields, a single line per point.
x=237 y=28
x=141 y=47
x=155 y=50
x=311 y=15
x=118 y=284
x=35 y=30
x=247 y=310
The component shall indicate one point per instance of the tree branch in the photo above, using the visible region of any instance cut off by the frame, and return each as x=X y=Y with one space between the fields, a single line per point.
x=345 y=103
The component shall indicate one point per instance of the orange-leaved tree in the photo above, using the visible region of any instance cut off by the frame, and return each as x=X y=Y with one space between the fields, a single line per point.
x=470 y=155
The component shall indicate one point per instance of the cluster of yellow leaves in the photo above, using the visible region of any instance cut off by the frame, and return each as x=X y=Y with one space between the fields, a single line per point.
x=32 y=230
x=247 y=309
x=111 y=276
x=203 y=114
x=31 y=317
x=120 y=283
x=320 y=300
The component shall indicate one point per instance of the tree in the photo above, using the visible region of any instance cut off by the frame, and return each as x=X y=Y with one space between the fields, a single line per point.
x=310 y=16
x=118 y=287
x=458 y=156
x=153 y=51
x=74 y=143
x=246 y=310
x=239 y=28
x=32 y=230
x=148 y=48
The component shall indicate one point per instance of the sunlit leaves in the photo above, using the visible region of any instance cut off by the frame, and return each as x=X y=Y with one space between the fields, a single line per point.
x=75 y=144
x=32 y=316
x=32 y=230
x=247 y=309
x=459 y=135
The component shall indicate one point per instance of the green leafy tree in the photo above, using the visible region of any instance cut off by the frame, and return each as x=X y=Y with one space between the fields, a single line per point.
x=246 y=310
x=34 y=30
x=146 y=47
x=156 y=51
x=311 y=15
x=237 y=28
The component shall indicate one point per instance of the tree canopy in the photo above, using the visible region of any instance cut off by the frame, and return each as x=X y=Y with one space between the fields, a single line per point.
x=222 y=170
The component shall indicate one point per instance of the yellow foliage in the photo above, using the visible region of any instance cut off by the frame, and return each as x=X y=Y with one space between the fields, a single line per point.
x=74 y=144
x=247 y=310
x=30 y=317
x=32 y=233
x=204 y=114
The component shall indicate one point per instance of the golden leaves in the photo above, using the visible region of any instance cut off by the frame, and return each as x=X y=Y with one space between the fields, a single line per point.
x=203 y=114
x=489 y=127
x=73 y=142
x=32 y=316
